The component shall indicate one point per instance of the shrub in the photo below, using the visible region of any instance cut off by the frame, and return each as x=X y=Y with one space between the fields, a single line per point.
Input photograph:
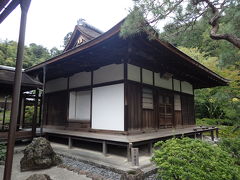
x=29 y=111
x=190 y=159
x=214 y=122
x=2 y=152
x=228 y=132
x=231 y=145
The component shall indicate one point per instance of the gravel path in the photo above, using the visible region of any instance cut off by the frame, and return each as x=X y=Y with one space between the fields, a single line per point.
x=94 y=171
x=152 y=177
x=91 y=170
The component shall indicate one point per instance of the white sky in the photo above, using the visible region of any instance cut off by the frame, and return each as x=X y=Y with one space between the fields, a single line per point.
x=50 y=20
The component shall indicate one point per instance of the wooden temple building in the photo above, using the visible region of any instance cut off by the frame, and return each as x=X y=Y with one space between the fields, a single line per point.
x=125 y=92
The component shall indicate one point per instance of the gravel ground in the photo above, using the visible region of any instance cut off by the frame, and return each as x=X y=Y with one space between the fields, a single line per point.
x=94 y=171
x=152 y=177
x=91 y=170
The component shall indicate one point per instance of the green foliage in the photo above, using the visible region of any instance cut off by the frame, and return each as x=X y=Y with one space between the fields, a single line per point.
x=2 y=151
x=185 y=159
x=228 y=132
x=232 y=145
x=66 y=39
x=136 y=16
x=55 y=51
x=214 y=122
x=219 y=103
x=187 y=19
x=33 y=54
x=7 y=116
x=29 y=112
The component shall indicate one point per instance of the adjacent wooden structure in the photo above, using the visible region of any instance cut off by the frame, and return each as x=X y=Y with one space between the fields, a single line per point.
x=29 y=97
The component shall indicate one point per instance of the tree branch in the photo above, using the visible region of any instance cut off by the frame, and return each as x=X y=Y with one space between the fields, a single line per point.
x=215 y=26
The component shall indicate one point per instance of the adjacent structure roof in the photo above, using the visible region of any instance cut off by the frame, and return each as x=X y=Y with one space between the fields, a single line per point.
x=7 y=78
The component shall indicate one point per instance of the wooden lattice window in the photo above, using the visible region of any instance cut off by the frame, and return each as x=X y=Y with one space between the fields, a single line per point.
x=147 y=98
x=165 y=105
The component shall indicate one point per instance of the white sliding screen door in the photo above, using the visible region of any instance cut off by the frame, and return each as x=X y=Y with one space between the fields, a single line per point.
x=79 y=105
x=108 y=107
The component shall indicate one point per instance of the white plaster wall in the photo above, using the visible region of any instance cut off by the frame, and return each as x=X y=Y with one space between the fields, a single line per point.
x=80 y=79
x=147 y=76
x=161 y=82
x=108 y=73
x=108 y=107
x=177 y=102
x=187 y=87
x=56 y=85
x=134 y=73
x=176 y=84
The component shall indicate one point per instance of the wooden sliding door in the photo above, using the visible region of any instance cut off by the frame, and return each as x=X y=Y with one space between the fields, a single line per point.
x=165 y=109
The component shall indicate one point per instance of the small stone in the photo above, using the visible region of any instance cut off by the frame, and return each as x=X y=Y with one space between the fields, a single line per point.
x=39 y=177
x=133 y=175
x=39 y=155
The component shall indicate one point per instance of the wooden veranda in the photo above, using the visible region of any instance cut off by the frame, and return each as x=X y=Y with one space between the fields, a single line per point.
x=129 y=140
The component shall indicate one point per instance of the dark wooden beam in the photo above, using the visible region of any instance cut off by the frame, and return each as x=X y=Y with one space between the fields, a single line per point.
x=3 y=4
x=34 y=123
x=13 y=4
x=43 y=100
x=16 y=90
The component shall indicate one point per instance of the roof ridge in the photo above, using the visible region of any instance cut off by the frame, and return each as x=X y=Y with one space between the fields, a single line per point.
x=84 y=24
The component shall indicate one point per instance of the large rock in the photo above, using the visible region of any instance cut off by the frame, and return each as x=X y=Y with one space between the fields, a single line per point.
x=39 y=177
x=39 y=155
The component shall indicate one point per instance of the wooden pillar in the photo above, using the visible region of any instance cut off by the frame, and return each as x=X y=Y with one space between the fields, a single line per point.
x=212 y=135
x=21 y=113
x=40 y=109
x=129 y=147
x=23 y=116
x=195 y=135
x=4 y=112
x=69 y=143
x=150 y=144
x=16 y=90
x=201 y=135
x=104 y=148
x=34 y=122
x=43 y=101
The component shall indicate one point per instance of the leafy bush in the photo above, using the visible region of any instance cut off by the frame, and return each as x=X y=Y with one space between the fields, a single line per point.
x=190 y=159
x=231 y=145
x=29 y=111
x=2 y=152
x=214 y=122
x=228 y=132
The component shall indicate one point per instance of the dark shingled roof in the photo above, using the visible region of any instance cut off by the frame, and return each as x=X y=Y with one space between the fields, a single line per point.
x=197 y=73
x=7 y=77
x=86 y=31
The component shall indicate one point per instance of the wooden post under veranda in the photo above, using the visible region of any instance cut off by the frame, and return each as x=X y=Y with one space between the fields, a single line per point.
x=24 y=4
x=4 y=112
x=34 y=121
